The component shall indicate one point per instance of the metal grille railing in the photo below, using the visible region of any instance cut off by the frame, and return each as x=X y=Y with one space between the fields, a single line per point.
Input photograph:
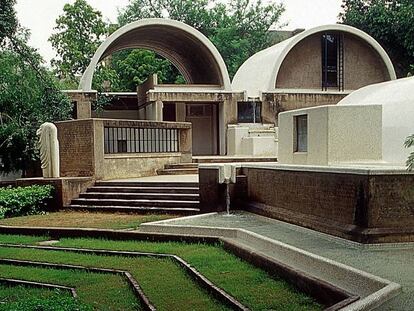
x=140 y=140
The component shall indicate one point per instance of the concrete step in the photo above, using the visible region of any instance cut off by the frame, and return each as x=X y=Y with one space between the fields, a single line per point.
x=140 y=196
x=181 y=165
x=133 y=209
x=147 y=184
x=137 y=203
x=178 y=171
x=177 y=190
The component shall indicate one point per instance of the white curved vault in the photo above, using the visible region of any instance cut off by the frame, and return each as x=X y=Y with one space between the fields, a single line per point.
x=397 y=101
x=259 y=73
x=197 y=59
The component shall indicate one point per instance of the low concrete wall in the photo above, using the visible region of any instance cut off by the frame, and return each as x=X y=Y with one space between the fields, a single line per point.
x=66 y=189
x=119 y=166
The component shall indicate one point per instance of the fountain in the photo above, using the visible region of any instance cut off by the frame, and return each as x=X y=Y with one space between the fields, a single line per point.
x=227 y=175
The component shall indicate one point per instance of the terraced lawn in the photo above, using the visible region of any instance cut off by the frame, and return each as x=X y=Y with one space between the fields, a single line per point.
x=165 y=283
x=84 y=220
x=28 y=298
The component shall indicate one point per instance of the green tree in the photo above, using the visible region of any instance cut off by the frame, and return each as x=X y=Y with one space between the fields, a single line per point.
x=238 y=28
x=135 y=66
x=29 y=95
x=78 y=33
x=391 y=22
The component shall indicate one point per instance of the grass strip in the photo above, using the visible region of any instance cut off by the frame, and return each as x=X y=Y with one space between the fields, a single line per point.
x=19 y=297
x=102 y=291
x=252 y=286
x=162 y=280
x=21 y=239
x=71 y=219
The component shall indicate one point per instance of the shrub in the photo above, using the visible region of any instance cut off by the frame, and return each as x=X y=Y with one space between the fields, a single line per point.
x=23 y=201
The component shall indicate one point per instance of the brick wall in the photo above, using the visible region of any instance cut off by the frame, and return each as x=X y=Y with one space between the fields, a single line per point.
x=76 y=144
x=366 y=201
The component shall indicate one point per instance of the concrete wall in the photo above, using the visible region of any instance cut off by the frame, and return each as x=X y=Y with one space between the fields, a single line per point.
x=274 y=103
x=252 y=140
x=136 y=165
x=302 y=68
x=117 y=114
x=335 y=135
x=82 y=102
x=363 y=65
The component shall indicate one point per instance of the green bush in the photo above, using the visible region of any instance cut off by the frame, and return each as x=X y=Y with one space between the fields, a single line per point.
x=22 y=201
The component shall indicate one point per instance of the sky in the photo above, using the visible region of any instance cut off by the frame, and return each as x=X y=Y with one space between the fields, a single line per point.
x=40 y=18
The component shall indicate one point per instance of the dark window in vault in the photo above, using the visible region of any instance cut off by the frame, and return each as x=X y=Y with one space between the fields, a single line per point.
x=330 y=60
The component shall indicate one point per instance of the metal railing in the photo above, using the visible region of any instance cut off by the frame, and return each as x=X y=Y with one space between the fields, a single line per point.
x=140 y=140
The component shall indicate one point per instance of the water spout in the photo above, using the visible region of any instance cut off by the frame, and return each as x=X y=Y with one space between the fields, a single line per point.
x=228 y=197
x=227 y=175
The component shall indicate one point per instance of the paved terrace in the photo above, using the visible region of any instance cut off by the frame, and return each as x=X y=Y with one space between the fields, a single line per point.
x=394 y=262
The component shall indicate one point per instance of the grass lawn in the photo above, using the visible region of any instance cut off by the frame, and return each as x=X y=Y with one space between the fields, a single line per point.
x=114 y=291
x=164 y=282
x=84 y=220
x=28 y=298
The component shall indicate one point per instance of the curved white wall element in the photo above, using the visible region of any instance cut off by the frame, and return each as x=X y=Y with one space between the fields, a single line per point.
x=259 y=73
x=187 y=48
x=397 y=100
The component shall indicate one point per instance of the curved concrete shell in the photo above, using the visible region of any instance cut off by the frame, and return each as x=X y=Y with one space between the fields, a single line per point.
x=397 y=101
x=189 y=50
x=294 y=59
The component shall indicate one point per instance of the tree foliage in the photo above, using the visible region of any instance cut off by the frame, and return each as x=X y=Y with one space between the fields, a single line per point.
x=238 y=28
x=78 y=33
x=391 y=22
x=29 y=95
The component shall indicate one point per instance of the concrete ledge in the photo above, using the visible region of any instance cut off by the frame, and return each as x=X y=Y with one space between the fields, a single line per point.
x=357 y=169
x=141 y=155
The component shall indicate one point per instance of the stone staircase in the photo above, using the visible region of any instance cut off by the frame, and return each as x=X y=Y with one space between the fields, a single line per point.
x=181 y=198
x=179 y=169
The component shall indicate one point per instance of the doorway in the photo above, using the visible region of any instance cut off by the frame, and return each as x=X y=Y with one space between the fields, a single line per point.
x=203 y=118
